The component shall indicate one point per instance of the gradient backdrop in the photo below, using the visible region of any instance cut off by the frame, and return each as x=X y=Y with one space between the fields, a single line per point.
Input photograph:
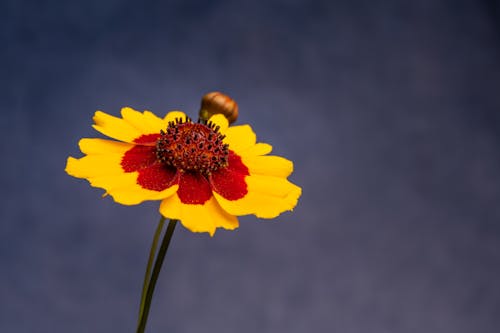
x=390 y=110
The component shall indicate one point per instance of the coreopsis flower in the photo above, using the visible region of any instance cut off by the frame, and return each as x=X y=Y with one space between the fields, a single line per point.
x=205 y=173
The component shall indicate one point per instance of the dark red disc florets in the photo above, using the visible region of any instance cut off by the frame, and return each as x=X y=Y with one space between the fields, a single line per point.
x=192 y=147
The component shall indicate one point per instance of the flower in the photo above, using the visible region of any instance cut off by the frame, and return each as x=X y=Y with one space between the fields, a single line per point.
x=205 y=174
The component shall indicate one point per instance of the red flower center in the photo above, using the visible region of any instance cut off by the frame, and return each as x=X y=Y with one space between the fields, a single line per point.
x=192 y=147
x=191 y=155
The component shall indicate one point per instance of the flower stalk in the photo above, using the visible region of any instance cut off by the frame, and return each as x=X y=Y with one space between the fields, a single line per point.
x=152 y=254
x=148 y=287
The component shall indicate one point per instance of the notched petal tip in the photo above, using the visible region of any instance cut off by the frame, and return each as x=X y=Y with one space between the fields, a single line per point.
x=71 y=166
x=259 y=149
x=98 y=115
x=128 y=109
x=114 y=127
x=269 y=165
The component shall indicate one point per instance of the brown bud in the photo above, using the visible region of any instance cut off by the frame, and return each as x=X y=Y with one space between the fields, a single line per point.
x=215 y=103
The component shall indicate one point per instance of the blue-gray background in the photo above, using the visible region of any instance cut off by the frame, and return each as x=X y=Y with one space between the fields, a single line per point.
x=390 y=110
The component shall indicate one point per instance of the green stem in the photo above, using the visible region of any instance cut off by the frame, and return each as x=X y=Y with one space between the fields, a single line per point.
x=154 y=276
x=152 y=253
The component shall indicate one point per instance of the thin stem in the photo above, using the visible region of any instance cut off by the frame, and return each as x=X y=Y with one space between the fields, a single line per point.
x=154 y=276
x=152 y=253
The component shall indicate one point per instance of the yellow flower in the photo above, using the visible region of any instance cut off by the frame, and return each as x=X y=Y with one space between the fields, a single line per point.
x=204 y=173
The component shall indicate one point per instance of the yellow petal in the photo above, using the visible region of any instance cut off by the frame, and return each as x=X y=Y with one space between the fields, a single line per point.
x=221 y=121
x=102 y=168
x=257 y=150
x=268 y=165
x=240 y=138
x=94 y=165
x=172 y=115
x=101 y=171
x=198 y=218
x=133 y=125
x=146 y=123
x=124 y=190
x=103 y=146
x=267 y=197
x=115 y=128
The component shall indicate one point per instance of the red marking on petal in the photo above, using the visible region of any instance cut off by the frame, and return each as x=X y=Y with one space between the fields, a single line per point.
x=236 y=164
x=157 y=177
x=194 y=189
x=138 y=157
x=152 y=175
x=229 y=182
x=147 y=139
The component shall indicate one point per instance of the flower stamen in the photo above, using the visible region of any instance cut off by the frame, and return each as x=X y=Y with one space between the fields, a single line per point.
x=192 y=147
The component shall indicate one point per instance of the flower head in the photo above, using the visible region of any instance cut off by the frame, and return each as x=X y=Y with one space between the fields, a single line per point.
x=205 y=173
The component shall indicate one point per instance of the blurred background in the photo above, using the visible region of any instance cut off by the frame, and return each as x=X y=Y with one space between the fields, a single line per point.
x=390 y=110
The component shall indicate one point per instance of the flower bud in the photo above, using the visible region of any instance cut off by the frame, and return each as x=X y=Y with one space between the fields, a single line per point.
x=217 y=102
